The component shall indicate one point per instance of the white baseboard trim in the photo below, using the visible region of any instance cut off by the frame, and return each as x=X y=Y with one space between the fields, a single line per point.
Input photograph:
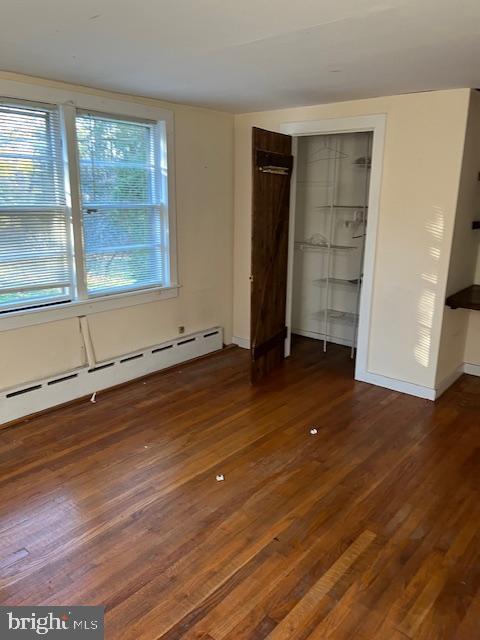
x=448 y=381
x=317 y=336
x=418 y=390
x=244 y=343
x=471 y=369
x=397 y=385
x=42 y=394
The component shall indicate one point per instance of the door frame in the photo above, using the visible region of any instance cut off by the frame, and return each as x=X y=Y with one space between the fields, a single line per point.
x=377 y=125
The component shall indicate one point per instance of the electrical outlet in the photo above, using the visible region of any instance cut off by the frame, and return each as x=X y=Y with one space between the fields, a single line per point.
x=181 y=329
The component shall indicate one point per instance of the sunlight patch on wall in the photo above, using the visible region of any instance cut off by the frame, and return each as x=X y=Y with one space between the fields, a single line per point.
x=432 y=278
x=436 y=226
x=425 y=314
x=435 y=229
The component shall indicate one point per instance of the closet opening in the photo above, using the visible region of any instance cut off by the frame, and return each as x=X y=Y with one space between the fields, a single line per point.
x=329 y=222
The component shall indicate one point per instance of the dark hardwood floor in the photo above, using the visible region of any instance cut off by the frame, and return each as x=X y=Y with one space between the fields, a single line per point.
x=367 y=530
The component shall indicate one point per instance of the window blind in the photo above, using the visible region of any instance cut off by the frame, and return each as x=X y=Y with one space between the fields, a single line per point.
x=35 y=260
x=125 y=230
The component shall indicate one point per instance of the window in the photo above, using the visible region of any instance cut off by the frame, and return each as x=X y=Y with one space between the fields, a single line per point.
x=113 y=238
x=34 y=248
x=124 y=226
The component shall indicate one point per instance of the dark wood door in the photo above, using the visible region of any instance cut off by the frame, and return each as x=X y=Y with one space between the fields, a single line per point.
x=272 y=167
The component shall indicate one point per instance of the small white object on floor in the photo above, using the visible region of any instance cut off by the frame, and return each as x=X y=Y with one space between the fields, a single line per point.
x=145 y=446
x=93 y=398
x=313 y=431
x=220 y=477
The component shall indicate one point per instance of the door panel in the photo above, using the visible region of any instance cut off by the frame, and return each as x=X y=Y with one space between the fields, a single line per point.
x=272 y=167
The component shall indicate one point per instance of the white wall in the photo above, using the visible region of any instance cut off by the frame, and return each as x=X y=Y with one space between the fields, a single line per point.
x=461 y=328
x=424 y=145
x=472 y=342
x=423 y=152
x=204 y=198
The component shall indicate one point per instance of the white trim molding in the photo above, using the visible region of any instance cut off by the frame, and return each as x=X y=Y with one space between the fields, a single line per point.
x=41 y=315
x=82 y=100
x=244 y=343
x=447 y=382
x=376 y=124
x=398 y=385
x=68 y=101
x=471 y=369
x=467 y=367
x=418 y=390
x=316 y=336
x=39 y=395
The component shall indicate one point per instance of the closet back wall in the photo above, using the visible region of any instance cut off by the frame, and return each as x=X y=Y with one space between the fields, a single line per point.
x=204 y=195
x=332 y=178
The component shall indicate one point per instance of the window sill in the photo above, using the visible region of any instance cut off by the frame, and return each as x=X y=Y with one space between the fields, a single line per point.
x=18 y=319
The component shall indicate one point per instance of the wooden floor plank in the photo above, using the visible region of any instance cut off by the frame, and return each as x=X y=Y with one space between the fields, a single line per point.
x=293 y=624
x=367 y=530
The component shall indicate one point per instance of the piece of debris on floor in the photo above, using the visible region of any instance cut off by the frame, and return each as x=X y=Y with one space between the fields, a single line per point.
x=313 y=431
x=94 y=397
x=220 y=477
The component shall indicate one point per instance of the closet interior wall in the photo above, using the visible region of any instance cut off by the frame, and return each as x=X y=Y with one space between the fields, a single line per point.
x=331 y=215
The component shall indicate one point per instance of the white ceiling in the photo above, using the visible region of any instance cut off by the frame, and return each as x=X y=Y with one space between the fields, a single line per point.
x=246 y=55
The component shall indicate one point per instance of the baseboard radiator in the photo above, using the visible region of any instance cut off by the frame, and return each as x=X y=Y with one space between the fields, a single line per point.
x=36 y=396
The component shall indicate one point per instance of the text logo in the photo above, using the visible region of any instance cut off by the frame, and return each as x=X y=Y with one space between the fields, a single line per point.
x=58 y=623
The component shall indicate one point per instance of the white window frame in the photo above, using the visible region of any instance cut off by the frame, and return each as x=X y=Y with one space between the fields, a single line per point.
x=68 y=102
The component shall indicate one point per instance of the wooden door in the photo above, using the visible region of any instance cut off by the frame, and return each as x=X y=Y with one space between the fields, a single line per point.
x=272 y=167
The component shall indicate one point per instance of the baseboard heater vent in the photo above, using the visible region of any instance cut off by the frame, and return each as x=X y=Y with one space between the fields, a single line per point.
x=58 y=380
x=42 y=394
x=20 y=392
x=139 y=355
x=158 y=349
